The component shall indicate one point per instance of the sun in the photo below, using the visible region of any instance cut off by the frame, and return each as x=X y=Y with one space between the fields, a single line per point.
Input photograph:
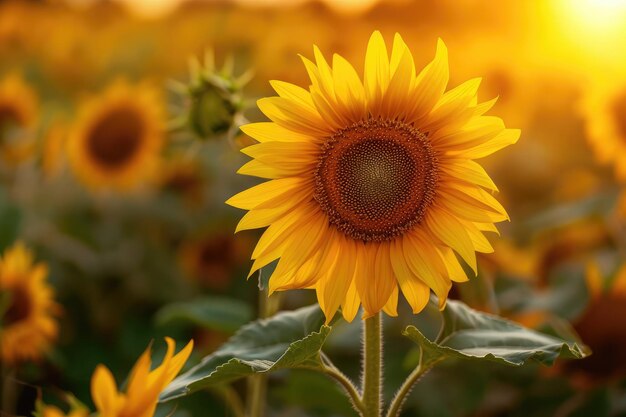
x=372 y=186
x=117 y=139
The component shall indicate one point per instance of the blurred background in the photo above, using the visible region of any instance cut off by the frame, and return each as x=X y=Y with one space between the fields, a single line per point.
x=139 y=243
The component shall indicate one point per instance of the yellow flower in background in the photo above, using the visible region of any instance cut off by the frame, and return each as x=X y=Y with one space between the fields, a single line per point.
x=144 y=385
x=18 y=118
x=604 y=110
x=599 y=326
x=212 y=258
x=27 y=308
x=117 y=139
x=183 y=176
x=372 y=185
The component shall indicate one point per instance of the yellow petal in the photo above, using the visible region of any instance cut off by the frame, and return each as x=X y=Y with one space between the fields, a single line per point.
x=453 y=233
x=104 y=392
x=265 y=192
x=338 y=272
x=415 y=291
x=430 y=83
x=273 y=132
x=376 y=76
x=350 y=306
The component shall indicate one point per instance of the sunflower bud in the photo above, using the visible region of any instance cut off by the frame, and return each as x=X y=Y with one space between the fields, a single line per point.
x=214 y=99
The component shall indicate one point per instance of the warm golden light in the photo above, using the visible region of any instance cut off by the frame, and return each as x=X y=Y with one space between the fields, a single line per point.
x=594 y=15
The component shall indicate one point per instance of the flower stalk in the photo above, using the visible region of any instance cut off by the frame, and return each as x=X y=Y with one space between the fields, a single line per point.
x=372 y=366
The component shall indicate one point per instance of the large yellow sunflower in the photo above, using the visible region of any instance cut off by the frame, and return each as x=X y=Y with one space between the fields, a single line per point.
x=116 y=141
x=18 y=118
x=604 y=110
x=372 y=185
x=27 y=324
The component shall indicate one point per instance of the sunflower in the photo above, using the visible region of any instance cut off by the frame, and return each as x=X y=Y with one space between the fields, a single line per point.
x=116 y=142
x=18 y=117
x=183 y=177
x=211 y=258
x=27 y=308
x=373 y=187
x=598 y=328
x=144 y=385
x=604 y=110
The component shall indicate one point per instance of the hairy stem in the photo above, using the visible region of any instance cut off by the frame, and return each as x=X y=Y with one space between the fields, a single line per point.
x=332 y=371
x=372 y=366
x=257 y=384
x=405 y=389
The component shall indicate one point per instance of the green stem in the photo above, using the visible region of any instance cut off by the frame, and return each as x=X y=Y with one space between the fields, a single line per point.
x=231 y=399
x=257 y=384
x=332 y=371
x=257 y=387
x=372 y=366
x=405 y=389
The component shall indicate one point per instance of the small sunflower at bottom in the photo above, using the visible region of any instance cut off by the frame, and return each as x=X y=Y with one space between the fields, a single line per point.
x=117 y=139
x=372 y=184
x=27 y=308
x=142 y=389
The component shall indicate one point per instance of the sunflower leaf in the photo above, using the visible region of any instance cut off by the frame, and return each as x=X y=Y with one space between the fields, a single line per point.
x=214 y=313
x=470 y=334
x=290 y=339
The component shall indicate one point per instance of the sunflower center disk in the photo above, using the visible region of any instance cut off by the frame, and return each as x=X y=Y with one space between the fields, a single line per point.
x=375 y=179
x=19 y=307
x=115 y=138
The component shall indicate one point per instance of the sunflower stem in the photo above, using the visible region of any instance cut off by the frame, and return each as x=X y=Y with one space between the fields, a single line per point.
x=332 y=371
x=405 y=389
x=257 y=384
x=372 y=366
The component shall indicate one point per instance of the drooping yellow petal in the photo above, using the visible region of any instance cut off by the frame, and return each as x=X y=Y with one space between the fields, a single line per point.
x=453 y=233
x=415 y=291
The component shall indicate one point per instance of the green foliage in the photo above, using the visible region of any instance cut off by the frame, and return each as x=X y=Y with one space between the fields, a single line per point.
x=287 y=340
x=214 y=313
x=469 y=334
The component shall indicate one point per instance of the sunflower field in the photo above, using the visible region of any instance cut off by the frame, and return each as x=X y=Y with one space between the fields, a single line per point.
x=312 y=208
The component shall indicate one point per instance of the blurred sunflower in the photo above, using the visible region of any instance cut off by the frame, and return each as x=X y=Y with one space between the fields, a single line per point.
x=598 y=328
x=211 y=258
x=18 y=118
x=184 y=177
x=604 y=110
x=143 y=387
x=26 y=307
x=116 y=141
x=373 y=184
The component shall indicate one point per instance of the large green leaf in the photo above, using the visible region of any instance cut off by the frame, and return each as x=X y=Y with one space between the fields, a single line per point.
x=287 y=340
x=470 y=334
x=215 y=313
